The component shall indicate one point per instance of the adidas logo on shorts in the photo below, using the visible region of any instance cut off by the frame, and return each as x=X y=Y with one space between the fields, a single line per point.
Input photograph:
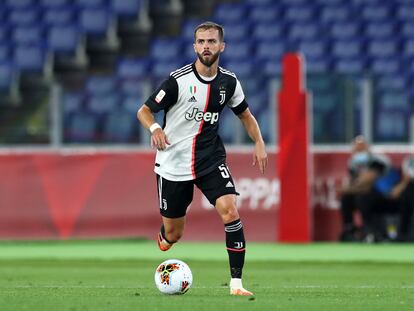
x=229 y=185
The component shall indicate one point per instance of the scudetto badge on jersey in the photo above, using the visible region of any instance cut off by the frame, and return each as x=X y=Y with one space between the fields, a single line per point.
x=160 y=96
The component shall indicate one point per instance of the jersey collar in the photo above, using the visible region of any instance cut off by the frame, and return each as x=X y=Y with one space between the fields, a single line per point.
x=200 y=78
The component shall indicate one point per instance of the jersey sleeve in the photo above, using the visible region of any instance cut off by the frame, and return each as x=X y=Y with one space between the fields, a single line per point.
x=164 y=96
x=237 y=102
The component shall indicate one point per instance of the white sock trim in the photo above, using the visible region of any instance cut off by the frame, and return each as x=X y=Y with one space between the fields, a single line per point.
x=236 y=283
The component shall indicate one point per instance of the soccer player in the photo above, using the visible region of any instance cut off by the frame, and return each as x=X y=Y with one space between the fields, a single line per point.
x=189 y=150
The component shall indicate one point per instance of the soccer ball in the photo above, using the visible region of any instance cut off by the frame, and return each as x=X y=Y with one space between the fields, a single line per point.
x=173 y=277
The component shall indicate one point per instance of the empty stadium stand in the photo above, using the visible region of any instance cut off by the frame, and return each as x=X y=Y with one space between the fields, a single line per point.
x=108 y=54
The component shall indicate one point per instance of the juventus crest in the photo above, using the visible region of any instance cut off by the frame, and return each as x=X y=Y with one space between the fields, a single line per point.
x=222 y=97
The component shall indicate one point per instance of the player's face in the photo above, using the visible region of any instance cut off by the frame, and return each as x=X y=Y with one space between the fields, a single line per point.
x=208 y=46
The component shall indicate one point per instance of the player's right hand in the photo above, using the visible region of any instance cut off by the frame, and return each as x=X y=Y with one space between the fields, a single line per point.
x=159 y=140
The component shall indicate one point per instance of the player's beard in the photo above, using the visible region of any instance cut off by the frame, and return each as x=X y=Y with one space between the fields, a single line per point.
x=208 y=62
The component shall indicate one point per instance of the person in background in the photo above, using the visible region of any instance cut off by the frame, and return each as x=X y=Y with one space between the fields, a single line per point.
x=406 y=194
x=372 y=179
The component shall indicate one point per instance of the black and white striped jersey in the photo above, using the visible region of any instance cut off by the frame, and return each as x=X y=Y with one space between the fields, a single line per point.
x=192 y=109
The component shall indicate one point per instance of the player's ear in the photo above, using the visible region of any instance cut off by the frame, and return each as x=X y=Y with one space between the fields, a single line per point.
x=194 y=46
x=222 y=46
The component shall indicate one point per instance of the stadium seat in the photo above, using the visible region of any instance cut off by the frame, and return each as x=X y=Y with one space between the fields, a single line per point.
x=227 y=125
x=271 y=68
x=81 y=128
x=299 y=14
x=375 y=13
x=390 y=126
x=4 y=33
x=27 y=35
x=19 y=4
x=394 y=101
x=187 y=32
x=27 y=16
x=241 y=67
x=4 y=52
x=294 y=3
x=165 y=49
x=405 y=13
x=267 y=31
x=118 y=126
x=64 y=39
x=230 y=13
x=317 y=65
x=91 y=4
x=345 y=30
x=265 y=14
x=54 y=4
x=408 y=48
x=391 y=83
x=236 y=51
x=131 y=68
x=385 y=66
x=335 y=14
x=331 y=2
x=382 y=48
x=30 y=58
x=162 y=69
x=58 y=17
x=350 y=66
x=131 y=104
x=376 y=30
x=94 y=21
x=101 y=85
x=253 y=83
x=407 y=29
x=347 y=49
x=270 y=50
x=313 y=49
x=303 y=31
x=236 y=31
x=132 y=87
x=125 y=7
x=103 y=103
x=260 y=2
x=72 y=102
x=7 y=76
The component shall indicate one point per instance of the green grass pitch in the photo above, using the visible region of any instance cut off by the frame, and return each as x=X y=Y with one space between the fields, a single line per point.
x=118 y=275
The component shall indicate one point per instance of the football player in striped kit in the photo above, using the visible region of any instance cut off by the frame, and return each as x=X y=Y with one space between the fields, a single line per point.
x=189 y=150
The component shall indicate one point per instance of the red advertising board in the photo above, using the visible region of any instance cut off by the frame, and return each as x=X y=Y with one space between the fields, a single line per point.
x=65 y=195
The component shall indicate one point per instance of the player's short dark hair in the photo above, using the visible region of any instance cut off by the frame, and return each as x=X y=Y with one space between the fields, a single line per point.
x=210 y=25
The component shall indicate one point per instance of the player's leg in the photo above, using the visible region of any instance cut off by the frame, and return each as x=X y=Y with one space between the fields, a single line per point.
x=347 y=213
x=235 y=241
x=218 y=187
x=171 y=231
x=174 y=198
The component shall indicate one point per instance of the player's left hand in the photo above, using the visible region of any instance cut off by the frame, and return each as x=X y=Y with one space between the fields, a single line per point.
x=260 y=156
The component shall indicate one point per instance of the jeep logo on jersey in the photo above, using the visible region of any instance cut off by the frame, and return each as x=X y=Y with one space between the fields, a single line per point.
x=197 y=115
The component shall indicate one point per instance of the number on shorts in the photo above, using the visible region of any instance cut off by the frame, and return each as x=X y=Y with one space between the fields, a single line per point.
x=224 y=171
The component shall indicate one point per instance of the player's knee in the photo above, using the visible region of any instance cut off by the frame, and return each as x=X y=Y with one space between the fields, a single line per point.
x=230 y=215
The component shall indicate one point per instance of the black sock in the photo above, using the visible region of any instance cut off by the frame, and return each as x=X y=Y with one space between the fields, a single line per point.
x=162 y=231
x=236 y=246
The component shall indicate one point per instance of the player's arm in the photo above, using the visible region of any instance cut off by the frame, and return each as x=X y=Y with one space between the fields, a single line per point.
x=250 y=124
x=163 y=98
x=158 y=138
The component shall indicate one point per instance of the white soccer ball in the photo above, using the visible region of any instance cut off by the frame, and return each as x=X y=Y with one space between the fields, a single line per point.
x=173 y=277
